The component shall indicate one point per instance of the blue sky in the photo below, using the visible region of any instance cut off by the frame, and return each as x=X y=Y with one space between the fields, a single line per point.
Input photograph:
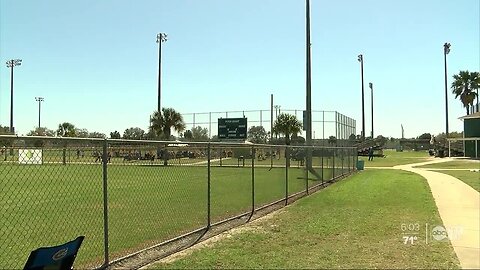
x=95 y=62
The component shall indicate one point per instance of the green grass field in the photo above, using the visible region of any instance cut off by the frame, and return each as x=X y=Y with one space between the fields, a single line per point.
x=355 y=223
x=49 y=204
x=470 y=178
x=393 y=158
x=459 y=169
x=456 y=164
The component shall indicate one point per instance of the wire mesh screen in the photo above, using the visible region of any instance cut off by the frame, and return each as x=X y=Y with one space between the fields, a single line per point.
x=127 y=196
x=296 y=169
x=156 y=192
x=269 y=175
x=231 y=182
x=324 y=123
x=48 y=200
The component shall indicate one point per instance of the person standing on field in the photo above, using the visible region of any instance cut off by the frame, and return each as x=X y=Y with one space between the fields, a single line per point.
x=370 y=154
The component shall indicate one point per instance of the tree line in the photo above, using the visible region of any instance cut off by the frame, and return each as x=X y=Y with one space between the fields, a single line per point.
x=163 y=123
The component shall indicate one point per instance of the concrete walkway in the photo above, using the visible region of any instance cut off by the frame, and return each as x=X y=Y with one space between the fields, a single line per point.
x=439 y=169
x=459 y=208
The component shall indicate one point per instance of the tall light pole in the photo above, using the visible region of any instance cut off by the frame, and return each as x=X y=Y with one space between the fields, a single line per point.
x=271 y=118
x=308 y=87
x=39 y=100
x=371 y=88
x=11 y=64
x=360 y=59
x=161 y=37
x=308 y=82
x=446 y=50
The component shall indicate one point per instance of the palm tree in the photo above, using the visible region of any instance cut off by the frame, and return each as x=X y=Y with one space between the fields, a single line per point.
x=476 y=86
x=287 y=125
x=66 y=130
x=162 y=123
x=463 y=87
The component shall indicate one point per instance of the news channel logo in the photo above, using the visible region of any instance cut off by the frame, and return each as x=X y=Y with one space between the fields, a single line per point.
x=441 y=233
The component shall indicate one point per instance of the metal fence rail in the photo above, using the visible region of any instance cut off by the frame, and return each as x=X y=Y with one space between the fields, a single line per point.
x=127 y=196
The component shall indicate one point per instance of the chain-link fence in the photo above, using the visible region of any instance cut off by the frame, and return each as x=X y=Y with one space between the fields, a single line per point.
x=324 y=123
x=128 y=196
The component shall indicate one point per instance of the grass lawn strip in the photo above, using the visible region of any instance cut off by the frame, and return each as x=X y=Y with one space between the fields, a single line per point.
x=393 y=158
x=456 y=164
x=471 y=178
x=356 y=223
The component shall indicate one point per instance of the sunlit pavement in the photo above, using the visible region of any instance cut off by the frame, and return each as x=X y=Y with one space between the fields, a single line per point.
x=459 y=208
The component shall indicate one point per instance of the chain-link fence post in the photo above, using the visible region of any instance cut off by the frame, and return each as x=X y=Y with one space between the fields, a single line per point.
x=352 y=161
x=307 y=167
x=287 y=156
x=64 y=156
x=343 y=158
x=105 y=202
x=356 y=159
x=349 y=153
x=209 y=218
x=271 y=157
x=323 y=168
x=352 y=157
x=333 y=163
x=354 y=154
x=287 y=165
x=165 y=154
x=253 y=182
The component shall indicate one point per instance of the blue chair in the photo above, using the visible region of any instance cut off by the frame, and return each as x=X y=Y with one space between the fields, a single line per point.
x=54 y=258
